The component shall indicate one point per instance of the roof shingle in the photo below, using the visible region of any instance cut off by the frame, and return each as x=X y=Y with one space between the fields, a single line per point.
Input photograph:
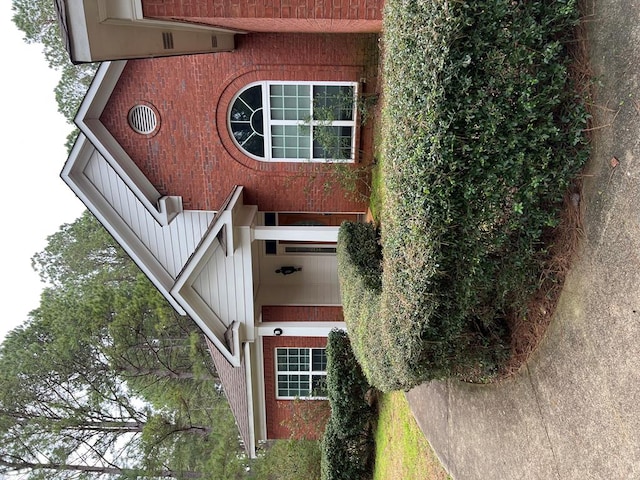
x=234 y=383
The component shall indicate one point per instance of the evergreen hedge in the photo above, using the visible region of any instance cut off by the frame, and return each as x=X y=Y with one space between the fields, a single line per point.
x=347 y=445
x=482 y=134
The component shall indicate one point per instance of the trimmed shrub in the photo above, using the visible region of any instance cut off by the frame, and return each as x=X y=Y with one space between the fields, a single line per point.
x=347 y=387
x=359 y=246
x=483 y=132
x=347 y=445
x=345 y=457
x=361 y=293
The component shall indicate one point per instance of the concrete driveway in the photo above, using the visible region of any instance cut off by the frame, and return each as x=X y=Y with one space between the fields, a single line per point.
x=574 y=411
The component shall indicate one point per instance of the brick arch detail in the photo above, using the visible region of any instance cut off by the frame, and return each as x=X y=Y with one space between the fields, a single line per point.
x=263 y=73
x=193 y=156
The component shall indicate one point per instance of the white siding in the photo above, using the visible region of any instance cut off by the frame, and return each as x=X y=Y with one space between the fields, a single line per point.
x=171 y=245
x=221 y=286
x=316 y=284
x=316 y=268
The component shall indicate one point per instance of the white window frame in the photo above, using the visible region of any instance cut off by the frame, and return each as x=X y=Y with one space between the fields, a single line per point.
x=307 y=248
x=310 y=373
x=268 y=122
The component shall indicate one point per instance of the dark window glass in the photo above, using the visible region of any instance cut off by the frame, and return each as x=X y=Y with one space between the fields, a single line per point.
x=332 y=102
x=332 y=142
x=247 y=121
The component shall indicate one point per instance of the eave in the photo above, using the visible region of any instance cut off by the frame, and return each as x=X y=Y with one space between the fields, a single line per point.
x=104 y=30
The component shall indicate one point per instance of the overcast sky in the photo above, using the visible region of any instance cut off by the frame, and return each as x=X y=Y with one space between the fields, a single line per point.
x=35 y=201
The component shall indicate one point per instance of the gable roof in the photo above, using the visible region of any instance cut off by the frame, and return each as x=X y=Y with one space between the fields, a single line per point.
x=236 y=387
x=199 y=260
x=114 y=189
x=180 y=251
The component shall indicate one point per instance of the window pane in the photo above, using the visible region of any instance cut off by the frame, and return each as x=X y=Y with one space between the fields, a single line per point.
x=304 y=102
x=246 y=121
x=319 y=360
x=291 y=90
x=241 y=131
x=290 y=102
x=291 y=153
x=345 y=132
x=240 y=112
x=332 y=103
x=277 y=102
x=291 y=142
x=255 y=145
x=304 y=90
x=294 y=138
x=291 y=114
x=331 y=142
x=253 y=97
x=275 y=90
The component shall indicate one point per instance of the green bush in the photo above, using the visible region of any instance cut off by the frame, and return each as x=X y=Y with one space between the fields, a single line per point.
x=360 y=247
x=347 y=387
x=288 y=460
x=482 y=135
x=347 y=445
x=361 y=295
x=345 y=457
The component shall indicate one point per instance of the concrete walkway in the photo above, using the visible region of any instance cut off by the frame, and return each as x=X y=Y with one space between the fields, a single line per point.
x=574 y=411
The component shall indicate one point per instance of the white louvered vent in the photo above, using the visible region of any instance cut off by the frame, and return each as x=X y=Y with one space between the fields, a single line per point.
x=143 y=119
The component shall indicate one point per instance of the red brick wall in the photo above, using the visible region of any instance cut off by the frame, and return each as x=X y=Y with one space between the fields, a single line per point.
x=192 y=153
x=311 y=415
x=307 y=16
x=290 y=313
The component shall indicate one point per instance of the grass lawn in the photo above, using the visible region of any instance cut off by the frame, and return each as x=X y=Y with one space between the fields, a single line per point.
x=402 y=452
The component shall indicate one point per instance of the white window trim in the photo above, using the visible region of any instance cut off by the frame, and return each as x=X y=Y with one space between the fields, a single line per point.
x=306 y=248
x=309 y=372
x=266 y=107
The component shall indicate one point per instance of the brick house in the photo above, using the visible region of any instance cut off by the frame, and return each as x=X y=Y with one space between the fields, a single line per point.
x=211 y=172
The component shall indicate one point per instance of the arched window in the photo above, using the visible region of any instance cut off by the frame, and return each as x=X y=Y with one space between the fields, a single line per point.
x=295 y=121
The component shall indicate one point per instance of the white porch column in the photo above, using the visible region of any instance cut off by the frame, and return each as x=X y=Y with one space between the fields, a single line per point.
x=298 y=329
x=296 y=233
